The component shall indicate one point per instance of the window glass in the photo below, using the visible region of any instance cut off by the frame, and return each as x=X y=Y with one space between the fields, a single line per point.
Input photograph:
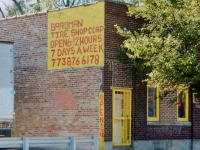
x=181 y=104
x=195 y=98
x=151 y=102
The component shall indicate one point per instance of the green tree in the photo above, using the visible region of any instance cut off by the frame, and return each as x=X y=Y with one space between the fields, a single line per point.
x=19 y=7
x=165 y=48
x=2 y=14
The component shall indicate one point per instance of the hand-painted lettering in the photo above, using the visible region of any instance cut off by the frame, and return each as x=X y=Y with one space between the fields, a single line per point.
x=89 y=30
x=73 y=43
x=66 y=25
x=59 y=34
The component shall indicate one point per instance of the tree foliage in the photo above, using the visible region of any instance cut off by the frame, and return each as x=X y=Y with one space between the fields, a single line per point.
x=16 y=8
x=165 y=48
x=19 y=7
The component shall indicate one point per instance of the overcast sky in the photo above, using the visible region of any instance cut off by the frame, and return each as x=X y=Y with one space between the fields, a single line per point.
x=7 y=2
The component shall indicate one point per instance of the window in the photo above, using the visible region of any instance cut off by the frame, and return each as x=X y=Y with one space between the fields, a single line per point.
x=153 y=103
x=153 y=106
x=182 y=105
x=195 y=98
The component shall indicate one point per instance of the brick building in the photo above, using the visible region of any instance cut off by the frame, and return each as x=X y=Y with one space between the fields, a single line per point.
x=64 y=102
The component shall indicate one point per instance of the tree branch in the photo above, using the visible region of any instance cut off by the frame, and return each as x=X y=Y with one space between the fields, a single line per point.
x=64 y=3
x=18 y=6
x=4 y=3
x=39 y=5
x=73 y=2
x=68 y=3
x=77 y=2
x=2 y=13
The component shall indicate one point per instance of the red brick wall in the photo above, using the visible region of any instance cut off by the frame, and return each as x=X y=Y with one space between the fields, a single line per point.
x=167 y=112
x=114 y=74
x=142 y=131
x=116 y=14
x=195 y=118
x=37 y=89
x=39 y=105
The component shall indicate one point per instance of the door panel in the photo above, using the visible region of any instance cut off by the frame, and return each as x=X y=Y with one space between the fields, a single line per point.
x=121 y=98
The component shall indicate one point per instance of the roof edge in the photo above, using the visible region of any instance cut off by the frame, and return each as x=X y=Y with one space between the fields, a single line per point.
x=45 y=12
x=23 y=16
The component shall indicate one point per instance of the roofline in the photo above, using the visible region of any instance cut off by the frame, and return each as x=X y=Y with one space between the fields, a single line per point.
x=23 y=16
x=42 y=13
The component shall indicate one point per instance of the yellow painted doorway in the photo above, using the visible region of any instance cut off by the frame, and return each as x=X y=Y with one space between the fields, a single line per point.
x=121 y=116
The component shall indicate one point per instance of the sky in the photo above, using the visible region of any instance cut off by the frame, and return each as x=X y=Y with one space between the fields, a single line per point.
x=7 y=2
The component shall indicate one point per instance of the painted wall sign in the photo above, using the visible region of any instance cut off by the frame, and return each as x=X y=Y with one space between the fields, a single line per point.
x=76 y=37
x=101 y=120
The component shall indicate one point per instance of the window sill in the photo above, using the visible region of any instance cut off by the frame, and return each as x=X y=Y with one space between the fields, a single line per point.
x=170 y=123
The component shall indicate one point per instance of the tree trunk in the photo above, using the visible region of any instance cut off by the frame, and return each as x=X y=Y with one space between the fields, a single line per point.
x=64 y=3
x=2 y=13
x=18 y=6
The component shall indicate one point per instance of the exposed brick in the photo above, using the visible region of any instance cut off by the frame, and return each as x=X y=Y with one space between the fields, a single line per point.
x=114 y=76
x=36 y=86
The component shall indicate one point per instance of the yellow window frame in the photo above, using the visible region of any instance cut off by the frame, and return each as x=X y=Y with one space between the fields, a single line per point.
x=195 y=98
x=157 y=117
x=186 y=118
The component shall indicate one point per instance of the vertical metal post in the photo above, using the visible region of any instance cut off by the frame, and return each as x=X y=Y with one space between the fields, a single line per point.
x=72 y=143
x=25 y=143
x=96 y=143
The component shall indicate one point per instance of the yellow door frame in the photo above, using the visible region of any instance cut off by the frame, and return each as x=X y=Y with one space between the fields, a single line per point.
x=125 y=118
